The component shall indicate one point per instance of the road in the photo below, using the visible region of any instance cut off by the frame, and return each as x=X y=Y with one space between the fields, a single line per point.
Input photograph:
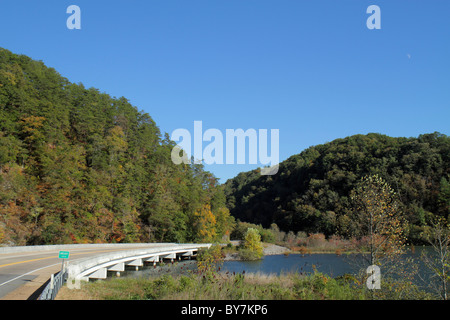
x=21 y=274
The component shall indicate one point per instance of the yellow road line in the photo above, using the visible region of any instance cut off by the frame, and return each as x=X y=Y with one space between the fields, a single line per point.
x=53 y=257
x=19 y=262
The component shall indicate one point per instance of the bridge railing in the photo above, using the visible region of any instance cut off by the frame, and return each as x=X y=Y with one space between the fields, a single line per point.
x=56 y=282
x=98 y=267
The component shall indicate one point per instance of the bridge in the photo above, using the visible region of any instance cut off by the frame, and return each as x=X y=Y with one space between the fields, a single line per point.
x=21 y=266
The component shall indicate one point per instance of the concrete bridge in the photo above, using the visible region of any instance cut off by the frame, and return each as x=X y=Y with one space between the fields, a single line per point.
x=98 y=267
x=24 y=270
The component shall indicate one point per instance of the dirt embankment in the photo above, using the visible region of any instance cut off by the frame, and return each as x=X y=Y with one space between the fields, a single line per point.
x=272 y=249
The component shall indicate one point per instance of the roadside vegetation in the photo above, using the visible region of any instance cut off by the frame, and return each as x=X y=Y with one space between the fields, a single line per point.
x=209 y=282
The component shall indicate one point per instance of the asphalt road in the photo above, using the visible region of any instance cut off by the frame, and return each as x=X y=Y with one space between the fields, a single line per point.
x=30 y=270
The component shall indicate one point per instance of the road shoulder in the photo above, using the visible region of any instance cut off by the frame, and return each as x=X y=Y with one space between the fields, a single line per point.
x=26 y=291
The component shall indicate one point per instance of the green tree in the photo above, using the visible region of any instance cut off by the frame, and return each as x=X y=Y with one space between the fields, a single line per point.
x=444 y=197
x=252 y=243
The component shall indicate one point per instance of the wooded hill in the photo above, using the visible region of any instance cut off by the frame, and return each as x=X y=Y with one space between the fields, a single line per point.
x=311 y=191
x=77 y=165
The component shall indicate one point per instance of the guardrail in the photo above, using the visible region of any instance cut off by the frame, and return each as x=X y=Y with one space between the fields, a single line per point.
x=55 y=283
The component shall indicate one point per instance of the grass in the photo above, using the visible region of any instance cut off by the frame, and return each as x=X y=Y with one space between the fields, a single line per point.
x=219 y=286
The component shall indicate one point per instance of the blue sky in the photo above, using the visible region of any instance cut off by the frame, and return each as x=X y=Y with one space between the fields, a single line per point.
x=311 y=69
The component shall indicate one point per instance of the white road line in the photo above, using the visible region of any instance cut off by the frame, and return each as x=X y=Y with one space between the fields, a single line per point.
x=23 y=275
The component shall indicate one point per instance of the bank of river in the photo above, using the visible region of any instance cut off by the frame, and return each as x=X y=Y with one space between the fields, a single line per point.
x=278 y=260
x=327 y=263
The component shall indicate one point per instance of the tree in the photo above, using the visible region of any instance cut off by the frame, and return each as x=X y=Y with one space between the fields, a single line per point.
x=444 y=197
x=206 y=224
x=439 y=261
x=225 y=223
x=252 y=243
x=378 y=222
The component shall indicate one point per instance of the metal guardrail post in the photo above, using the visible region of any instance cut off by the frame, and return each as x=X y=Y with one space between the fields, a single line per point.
x=52 y=288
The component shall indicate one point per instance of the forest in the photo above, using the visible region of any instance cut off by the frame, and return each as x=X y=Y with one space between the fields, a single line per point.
x=311 y=192
x=80 y=166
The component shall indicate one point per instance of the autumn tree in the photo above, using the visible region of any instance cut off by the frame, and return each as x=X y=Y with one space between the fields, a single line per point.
x=206 y=224
x=225 y=223
x=378 y=222
x=438 y=260
x=252 y=244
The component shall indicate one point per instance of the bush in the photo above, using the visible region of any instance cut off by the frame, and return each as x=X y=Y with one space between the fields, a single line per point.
x=208 y=259
x=240 y=229
x=252 y=243
x=316 y=240
x=267 y=235
x=248 y=255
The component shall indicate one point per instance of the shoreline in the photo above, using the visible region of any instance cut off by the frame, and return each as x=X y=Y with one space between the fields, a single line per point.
x=273 y=249
x=268 y=250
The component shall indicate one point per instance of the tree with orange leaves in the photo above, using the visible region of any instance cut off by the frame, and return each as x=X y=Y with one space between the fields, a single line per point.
x=206 y=224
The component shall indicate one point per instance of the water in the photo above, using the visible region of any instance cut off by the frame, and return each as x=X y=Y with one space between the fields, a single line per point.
x=329 y=264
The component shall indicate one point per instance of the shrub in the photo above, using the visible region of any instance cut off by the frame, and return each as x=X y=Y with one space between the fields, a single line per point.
x=316 y=240
x=248 y=255
x=208 y=259
x=252 y=242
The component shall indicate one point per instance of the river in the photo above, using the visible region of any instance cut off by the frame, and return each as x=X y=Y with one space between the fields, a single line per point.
x=326 y=263
x=330 y=264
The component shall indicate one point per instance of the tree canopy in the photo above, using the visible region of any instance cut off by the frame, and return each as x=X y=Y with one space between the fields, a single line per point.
x=311 y=191
x=77 y=165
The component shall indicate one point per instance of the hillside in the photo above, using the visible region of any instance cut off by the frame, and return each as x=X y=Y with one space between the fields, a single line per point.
x=77 y=165
x=311 y=190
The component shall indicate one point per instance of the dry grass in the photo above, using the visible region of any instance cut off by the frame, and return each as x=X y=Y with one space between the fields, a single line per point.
x=71 y=294
x=214 y=286
x=263 y=279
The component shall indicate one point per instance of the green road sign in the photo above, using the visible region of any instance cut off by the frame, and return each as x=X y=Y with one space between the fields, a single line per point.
x=63 y=255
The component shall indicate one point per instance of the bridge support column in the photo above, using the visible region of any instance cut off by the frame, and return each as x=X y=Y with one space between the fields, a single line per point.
x=117 y=267
x=98 y=274
x=171 y=256
x=187 y=254
x=136 y=263
x=153 y=259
